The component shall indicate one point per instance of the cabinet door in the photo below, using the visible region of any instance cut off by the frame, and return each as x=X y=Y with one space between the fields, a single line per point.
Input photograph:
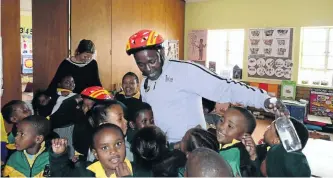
x=11 y=53
x=92 y=20
x=49 y=39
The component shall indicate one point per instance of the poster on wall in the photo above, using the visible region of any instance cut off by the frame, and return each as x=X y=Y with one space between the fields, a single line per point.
x=27 y=64
x=26 y=50
x=212 y=66
x=171 y=49
x=270 y=53
x=197 y=43
x=321 y=102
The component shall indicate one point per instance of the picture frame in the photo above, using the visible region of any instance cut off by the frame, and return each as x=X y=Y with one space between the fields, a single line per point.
x=288 y=90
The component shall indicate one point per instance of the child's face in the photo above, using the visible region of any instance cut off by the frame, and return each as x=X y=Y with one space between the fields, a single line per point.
x=20 y=112
x=109 y=149
x=232 y=127
x=26 y=136
x=44 y=100
x=88 y=102
x=144 y=119
x=270 y=136
x=67 y=83
x=115 y=116
x=130 y=85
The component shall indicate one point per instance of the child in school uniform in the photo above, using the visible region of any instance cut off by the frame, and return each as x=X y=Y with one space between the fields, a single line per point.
x=110 y=112
x=12 y=113
x=238 y=124
x=130 y=95
x=109 y=149
x=65 y=91
x=142 y=116
x=31 y=158
x=74 y=111
x=280 y=163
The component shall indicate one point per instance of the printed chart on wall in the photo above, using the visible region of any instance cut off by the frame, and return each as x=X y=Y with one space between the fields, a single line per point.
x=321 y=102
x=197 y=43
x=171 y=49
x=26 y=51
x=270 y=53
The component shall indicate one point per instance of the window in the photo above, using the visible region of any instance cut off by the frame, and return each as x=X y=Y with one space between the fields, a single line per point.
x=226 y=48
x=316 y=58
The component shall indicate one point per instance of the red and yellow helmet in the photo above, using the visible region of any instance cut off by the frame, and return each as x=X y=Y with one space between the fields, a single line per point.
x=143 y=39
x=96 y=93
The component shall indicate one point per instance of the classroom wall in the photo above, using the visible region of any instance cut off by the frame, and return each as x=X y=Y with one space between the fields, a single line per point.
x=233 y=14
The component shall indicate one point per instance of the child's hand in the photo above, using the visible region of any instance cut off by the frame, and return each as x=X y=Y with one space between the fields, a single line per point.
x=250 y=146
x=59 y=145
x=122 y=170
x=75 y=158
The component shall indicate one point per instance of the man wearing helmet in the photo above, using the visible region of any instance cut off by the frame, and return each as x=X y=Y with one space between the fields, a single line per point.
x=175 y=88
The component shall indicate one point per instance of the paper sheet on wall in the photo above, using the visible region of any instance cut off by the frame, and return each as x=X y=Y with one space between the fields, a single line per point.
x=197 y=45
x=270 y=53
x=171 y=49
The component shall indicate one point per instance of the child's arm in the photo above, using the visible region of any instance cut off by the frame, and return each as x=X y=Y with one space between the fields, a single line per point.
x=250 y=146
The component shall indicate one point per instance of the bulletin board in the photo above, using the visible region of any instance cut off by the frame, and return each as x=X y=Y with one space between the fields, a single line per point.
x=321 y=102
x=270 y=53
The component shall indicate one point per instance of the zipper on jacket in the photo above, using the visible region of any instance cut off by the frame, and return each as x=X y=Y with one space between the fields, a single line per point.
x=30 y=173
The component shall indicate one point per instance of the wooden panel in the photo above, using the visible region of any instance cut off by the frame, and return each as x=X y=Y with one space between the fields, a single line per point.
x=11 y=53
x=50 y=38
x=126 y=20
x=175 y=21
x=153 y=15
x=92 y=20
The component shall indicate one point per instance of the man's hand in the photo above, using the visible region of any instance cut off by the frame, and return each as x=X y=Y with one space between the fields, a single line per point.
x=250 y=146
x=277 y=107
x=59 y=145
x=123 y=170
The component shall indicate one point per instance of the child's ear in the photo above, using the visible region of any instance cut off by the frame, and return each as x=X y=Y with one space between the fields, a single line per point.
x=94 y=153
x=276 y=141
x=131 y=124
x=39 y=139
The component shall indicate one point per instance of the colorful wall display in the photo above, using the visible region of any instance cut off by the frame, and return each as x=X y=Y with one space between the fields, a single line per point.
x=321 y=102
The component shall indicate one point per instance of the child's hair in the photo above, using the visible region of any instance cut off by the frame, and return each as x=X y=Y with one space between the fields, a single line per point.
x=169 y=165
x=131 y=74
x=98 y=113
x=41 y=124
x=250 y=119
x=63 y=78
x=208 y=104
x=106 y=126
x=142 y=106
x=35 y=100
x=201 y=138
x=85 y=46
x=148 y=146
x=8 y=109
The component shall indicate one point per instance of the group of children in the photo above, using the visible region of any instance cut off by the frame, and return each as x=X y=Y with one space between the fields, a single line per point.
x=93 y=134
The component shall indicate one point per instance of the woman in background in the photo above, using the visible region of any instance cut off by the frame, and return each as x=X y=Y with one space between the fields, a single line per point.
x=82 y=67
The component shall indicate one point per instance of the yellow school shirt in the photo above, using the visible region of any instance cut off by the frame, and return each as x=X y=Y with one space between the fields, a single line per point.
x=97 y=168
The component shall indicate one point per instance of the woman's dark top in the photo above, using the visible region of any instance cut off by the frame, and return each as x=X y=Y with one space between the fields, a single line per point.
x=84 y=75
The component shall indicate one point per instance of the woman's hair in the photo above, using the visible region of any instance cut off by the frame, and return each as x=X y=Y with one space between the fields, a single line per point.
x=85 y=46
x=138 y=109
x=169 y=165
x=131 y=74
x=98 y=113
x=148 y=146
x=201 y=138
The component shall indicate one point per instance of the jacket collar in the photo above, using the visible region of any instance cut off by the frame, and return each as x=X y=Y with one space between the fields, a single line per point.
x=137 y=95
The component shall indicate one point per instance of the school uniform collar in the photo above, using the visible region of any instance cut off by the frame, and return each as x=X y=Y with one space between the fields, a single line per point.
x=137 y=95
x=31 y=161
x=234 y=141
x=99 y=171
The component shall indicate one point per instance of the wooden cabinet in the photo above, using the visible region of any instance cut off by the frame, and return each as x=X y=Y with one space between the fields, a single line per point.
x=109 y=24
x=50 y=39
